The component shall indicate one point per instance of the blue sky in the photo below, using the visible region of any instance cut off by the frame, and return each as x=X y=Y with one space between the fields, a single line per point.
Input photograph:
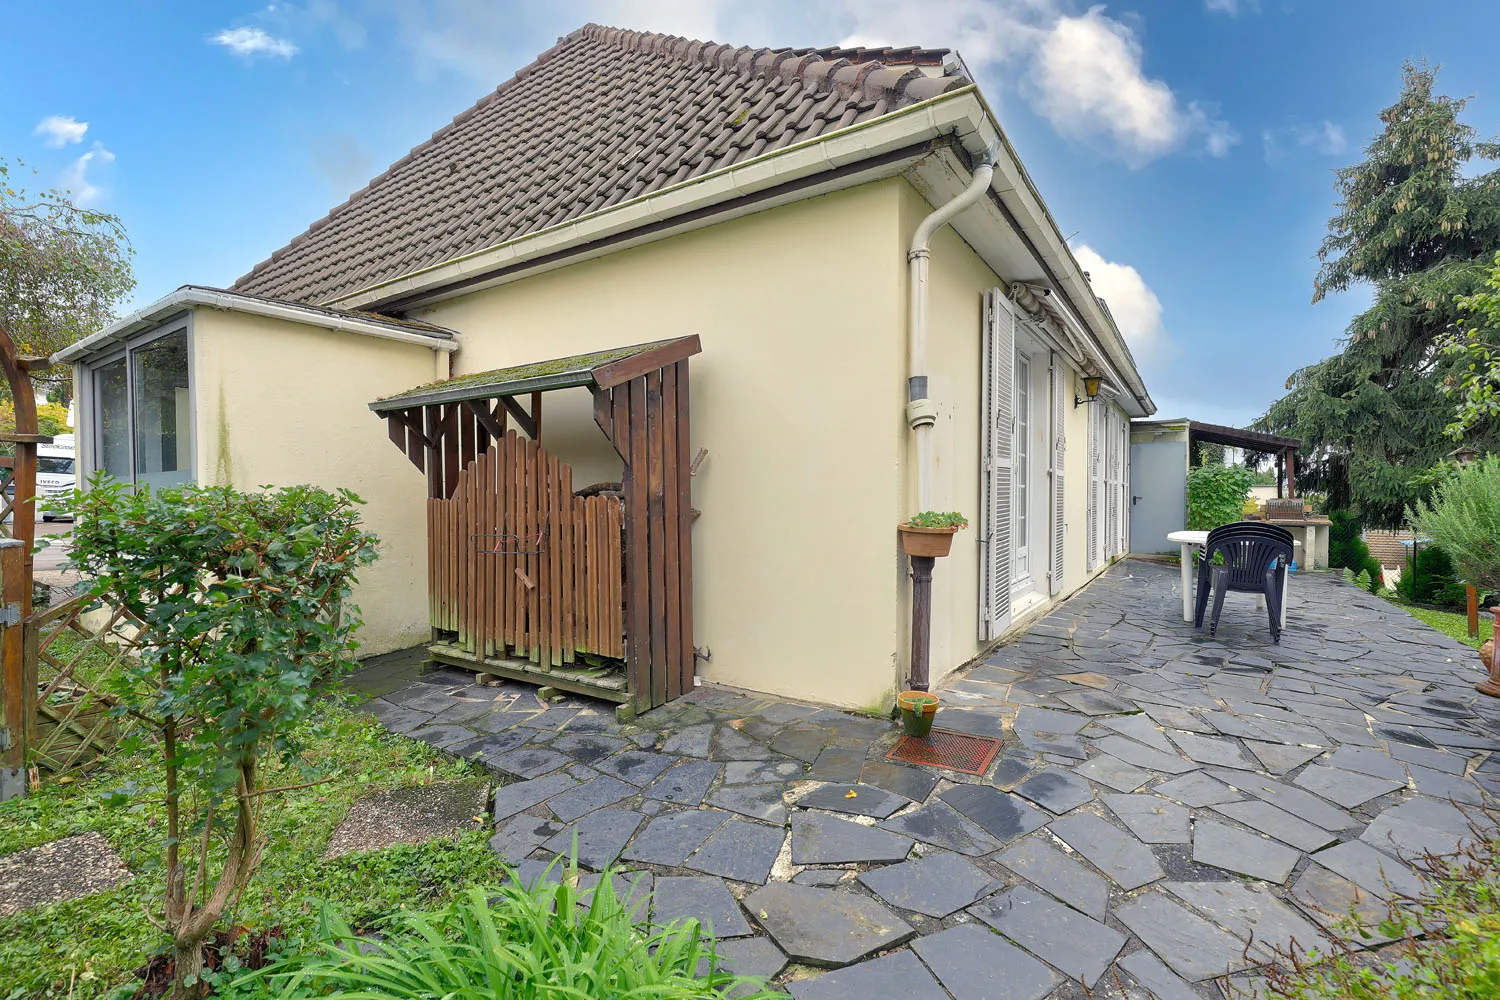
x=1188 y=143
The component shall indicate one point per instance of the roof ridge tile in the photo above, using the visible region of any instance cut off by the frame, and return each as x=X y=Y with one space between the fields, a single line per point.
x=544 y=145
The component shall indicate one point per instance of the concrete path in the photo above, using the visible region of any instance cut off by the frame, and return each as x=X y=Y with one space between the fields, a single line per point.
x=1165 y=809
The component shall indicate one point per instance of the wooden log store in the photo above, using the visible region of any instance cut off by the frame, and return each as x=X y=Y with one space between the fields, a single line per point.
x=526 y=579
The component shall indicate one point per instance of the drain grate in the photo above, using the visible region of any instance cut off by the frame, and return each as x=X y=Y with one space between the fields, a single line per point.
x=947 y=749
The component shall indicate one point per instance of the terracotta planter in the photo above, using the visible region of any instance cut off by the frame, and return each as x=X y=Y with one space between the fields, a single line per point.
x=1491 y=684
x=918 y=708
x=930 y=542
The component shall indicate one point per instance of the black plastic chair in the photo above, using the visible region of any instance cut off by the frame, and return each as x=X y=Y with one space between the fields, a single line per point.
x=1256 y=557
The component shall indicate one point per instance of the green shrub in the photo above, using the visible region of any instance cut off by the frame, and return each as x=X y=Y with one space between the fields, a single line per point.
x=1216 y=495
x=1463 y=518
x=1347 y=548
x=1344 y=539
x=1430 y=579
x=514 y=943
x=1458 y=960
x=242 y=600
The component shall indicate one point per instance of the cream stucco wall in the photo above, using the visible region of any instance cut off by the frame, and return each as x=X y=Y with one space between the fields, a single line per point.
x=958 y=280
x=280 y=404
x=797 y=398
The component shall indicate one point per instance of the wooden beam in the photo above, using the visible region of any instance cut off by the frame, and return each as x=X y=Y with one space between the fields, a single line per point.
x=604 y=414
x=491 y=421
x=536 y=415
x=432 y=434
x=523 y=419
x=618 y=372
x=1291 y=475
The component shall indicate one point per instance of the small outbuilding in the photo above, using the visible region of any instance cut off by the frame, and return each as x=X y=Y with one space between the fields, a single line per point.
x=1162 y=452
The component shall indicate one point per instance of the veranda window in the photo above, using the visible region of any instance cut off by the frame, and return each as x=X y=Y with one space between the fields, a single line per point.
x=142 y=406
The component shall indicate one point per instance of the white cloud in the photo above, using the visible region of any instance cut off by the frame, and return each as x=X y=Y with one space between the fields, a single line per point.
x=1324 y=138
x=252 y=42
x=75 y=179
x=1135 y=307
x=1092 y=86
x=60 y=130
x=1084 y=73
x=1230 y=7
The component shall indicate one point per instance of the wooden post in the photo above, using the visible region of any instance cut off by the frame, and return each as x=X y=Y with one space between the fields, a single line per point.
x=921 y=619
x=1291 y=474
x=1473 y=602
x=18 y=697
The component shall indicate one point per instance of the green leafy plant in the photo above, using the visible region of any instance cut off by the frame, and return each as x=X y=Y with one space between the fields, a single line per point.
x=90 y=948
x=1431 y=580
x=1348 y=549
x=243 y=603
x=1447 y=948
x=936 y=519
x=1463 y=519
x=1216 y=495
x=543 y=942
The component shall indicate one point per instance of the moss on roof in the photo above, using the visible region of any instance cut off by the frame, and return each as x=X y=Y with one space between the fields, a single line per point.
x=582 y=364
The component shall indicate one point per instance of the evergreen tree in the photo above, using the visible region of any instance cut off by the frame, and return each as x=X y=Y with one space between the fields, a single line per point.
x=1413 y=226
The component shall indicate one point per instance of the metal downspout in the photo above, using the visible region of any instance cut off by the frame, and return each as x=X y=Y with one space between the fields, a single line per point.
x=921 y=412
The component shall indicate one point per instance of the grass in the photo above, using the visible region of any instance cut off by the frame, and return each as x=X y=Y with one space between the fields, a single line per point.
x=1460 y=961
x=1450 y=623
x=88 y=947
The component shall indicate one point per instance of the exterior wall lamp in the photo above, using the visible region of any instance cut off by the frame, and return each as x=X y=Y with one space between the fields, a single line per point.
x=1090 y=390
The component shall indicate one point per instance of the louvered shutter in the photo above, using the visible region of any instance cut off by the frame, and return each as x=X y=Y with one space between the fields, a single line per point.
x=1093 y=542
x=1059 y=448
x=996 y=430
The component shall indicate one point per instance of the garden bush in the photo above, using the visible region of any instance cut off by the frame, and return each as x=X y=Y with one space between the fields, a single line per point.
x=1448 y=945
x=1346 y=548
x=1463 y=519
x=243 y=603
x=1430 y=579
x=1216 y=495
x=546 y=942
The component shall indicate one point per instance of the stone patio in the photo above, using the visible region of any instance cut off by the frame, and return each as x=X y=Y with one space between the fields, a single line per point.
x=1166 y=809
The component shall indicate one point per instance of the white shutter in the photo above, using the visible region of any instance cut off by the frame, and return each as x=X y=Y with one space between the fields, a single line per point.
x=1094 y=543
x=997 y=420
x=1059 y=448
x=1122 y=483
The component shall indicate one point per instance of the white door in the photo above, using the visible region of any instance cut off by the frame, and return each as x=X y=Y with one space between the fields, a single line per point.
x=1023 y=457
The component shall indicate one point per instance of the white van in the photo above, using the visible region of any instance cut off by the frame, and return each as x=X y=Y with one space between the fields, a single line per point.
x=56 y=477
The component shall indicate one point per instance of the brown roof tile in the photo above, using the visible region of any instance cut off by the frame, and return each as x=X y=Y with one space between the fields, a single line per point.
x=604 y=116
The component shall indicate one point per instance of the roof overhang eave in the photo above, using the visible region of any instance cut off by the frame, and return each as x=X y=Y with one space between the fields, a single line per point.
x=888 y=144
x=189 y=297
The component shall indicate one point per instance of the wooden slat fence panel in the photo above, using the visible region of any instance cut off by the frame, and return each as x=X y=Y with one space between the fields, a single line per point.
x=519 y=566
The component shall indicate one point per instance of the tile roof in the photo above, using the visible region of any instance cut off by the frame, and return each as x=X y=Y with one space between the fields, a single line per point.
x=604 y=116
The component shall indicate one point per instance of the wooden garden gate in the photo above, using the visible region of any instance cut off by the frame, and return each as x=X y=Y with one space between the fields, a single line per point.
x=526 y=579
x=518 y=564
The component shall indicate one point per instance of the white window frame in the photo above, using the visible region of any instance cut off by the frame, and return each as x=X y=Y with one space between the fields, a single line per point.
x=91 y=440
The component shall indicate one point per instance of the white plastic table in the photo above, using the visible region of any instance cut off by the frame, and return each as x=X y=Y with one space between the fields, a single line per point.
x=1195 y=541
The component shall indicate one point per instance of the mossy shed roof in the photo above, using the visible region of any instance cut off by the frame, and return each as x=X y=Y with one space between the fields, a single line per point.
x=601 y=369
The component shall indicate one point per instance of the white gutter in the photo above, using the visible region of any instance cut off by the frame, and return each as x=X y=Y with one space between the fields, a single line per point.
x=194 y=296
x=1077 y=333
x=921 y=412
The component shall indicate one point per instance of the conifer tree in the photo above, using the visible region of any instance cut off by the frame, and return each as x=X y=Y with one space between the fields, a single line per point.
x=1411 y=224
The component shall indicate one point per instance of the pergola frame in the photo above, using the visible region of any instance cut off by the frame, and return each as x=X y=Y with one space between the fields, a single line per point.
x=641 y=404
x=1284 y=448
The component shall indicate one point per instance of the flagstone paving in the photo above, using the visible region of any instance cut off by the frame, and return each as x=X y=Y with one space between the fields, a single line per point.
x=1165 y=804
